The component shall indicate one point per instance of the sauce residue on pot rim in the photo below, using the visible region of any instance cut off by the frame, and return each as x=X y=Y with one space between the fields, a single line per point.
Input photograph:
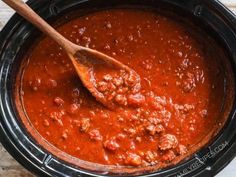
x=177 y=104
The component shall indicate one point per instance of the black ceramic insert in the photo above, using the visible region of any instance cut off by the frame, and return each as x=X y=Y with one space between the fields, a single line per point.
x=18 y=34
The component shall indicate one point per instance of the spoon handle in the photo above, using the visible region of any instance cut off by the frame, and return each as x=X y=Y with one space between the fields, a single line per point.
x=24 y=10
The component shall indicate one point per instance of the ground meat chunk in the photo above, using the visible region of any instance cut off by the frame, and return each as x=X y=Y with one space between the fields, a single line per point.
x=122 y=90
x=136 y=99
x=102 y=86
x=65 y=135
x=138 y=139
x=133 y=159
x=73 y=108
x=150 y=156
x=131 y=131
x=168 y=156
x=136 y=88
x=82 y=30
x=107 y=77
x=46 y=123
x=121 y=99
x=120 y=136
x=118 y=81
x=56 y=117
x=111 y=145
x=159 y=128
x=154 y=120
x=111 y=86
x=189 y=84
x=108 y=25
x=157 y=102
x=58 y=101
x=153 y=129
x=35 y=84
x=186 y=108
x=181 y=149
x=130 y=79
x=84 y=124
x=168 y=141
x=203 y=113
x=95 y=135
x=51 y=83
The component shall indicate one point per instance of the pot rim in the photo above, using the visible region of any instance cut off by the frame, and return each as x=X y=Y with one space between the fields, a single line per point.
x=8 y=139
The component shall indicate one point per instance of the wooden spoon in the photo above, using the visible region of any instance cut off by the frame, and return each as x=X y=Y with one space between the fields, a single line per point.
x=83 y=58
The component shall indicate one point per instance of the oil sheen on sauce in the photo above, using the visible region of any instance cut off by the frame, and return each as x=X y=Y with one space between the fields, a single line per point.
x=173 y=110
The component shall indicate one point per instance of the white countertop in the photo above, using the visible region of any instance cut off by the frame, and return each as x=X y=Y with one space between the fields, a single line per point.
x=10 y=168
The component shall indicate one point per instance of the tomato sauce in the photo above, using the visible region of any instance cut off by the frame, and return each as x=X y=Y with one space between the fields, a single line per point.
x=177 y=105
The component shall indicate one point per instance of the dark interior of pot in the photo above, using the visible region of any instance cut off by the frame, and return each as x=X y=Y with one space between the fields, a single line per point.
x=186 y=94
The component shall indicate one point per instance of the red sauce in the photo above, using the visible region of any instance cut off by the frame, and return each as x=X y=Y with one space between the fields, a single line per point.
x=177 y=106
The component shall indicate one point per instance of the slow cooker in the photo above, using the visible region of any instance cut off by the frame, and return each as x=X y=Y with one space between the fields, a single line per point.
x=18 y=34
